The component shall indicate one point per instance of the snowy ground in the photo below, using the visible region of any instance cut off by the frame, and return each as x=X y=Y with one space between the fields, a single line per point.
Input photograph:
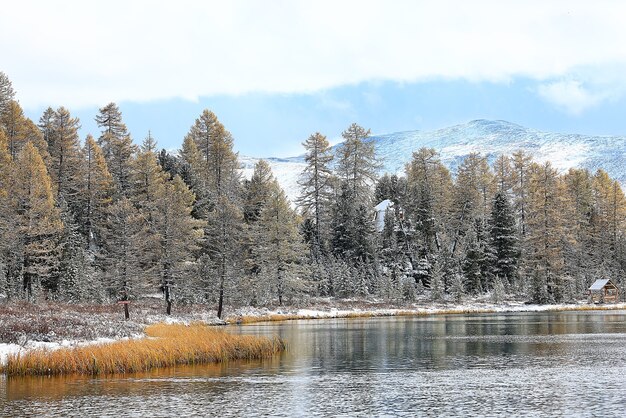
x=356 y=308
x=26 y=327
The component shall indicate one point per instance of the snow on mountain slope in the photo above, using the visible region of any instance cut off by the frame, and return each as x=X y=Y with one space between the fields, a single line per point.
x=490 y=138
x=286 y=170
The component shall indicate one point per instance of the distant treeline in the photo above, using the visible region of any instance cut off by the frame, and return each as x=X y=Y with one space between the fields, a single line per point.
x=105 y=219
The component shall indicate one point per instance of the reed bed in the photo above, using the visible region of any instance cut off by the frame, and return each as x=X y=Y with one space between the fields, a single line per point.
x=166 y=345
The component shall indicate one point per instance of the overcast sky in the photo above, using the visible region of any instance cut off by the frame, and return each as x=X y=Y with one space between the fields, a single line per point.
x=276 y=71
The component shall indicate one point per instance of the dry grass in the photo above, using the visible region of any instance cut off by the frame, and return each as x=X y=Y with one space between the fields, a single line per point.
x=167 y=345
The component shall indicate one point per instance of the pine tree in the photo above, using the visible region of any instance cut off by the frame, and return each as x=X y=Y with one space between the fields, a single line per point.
x=316 y=189
x=117 y=146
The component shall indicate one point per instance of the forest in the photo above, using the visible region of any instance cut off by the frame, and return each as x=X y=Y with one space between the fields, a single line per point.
x=100 y=219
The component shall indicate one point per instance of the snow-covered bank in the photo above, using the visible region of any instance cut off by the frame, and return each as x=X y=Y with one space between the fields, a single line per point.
x=26 y=327
x=249 y=315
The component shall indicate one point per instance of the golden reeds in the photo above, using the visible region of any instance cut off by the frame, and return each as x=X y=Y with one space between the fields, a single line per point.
x=166 y=345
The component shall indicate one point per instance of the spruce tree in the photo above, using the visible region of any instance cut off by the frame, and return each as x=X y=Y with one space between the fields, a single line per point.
x=257 y=191
x=278 y=247
x=504 y=247
x=125 y=256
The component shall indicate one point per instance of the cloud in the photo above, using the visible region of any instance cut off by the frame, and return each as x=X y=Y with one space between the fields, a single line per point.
x=81 y=53
x=570 y=95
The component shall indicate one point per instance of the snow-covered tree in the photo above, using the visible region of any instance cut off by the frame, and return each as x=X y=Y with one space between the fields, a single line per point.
x=316 y=183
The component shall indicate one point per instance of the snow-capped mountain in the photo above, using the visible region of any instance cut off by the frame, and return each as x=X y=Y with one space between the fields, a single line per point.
x=490 y=138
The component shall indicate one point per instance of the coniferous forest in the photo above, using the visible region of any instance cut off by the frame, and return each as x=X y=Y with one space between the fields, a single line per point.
x=99 y=219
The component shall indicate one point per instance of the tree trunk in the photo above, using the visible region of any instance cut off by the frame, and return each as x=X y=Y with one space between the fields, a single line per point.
x=168 y=299
x=220 y=304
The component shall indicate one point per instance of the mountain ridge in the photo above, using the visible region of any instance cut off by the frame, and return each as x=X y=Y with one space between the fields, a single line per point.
x=488 y=137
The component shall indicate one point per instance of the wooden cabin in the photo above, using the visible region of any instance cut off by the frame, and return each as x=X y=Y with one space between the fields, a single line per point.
x=603 y=291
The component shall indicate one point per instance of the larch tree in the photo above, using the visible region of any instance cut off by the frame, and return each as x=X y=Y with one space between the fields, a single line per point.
x=428 y=197
x=546 y=232
x=521 y=162
x=356 y=163
x=145 y=178
x=579 y=212
x=117 y=146
x=219 y=191
x=7 y=94
x=66 y=159
x=503 y=172
x=38 y=220
x=315 y=191
x=96 y=195
x=7 y=217
x=607 y=221
x=178 y=234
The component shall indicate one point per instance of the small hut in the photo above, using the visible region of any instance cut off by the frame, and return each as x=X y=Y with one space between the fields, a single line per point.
x=380 y=210
x=603 y=290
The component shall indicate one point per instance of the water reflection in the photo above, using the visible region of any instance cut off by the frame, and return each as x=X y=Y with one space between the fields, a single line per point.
x=535 y=363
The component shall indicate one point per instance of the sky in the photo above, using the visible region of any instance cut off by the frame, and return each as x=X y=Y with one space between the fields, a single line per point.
x=275 y=72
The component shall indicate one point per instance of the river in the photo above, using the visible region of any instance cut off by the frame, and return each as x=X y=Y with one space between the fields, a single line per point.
x=539 y=364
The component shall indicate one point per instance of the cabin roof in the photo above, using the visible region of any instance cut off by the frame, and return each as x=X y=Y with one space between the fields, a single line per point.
x=382 y=206
x=600 y=283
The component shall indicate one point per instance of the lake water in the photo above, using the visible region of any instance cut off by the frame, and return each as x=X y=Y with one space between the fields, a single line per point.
x=538 y=364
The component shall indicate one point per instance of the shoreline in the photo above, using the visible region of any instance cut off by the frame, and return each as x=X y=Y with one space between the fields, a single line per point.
x=265 y=315
x=100 y=332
